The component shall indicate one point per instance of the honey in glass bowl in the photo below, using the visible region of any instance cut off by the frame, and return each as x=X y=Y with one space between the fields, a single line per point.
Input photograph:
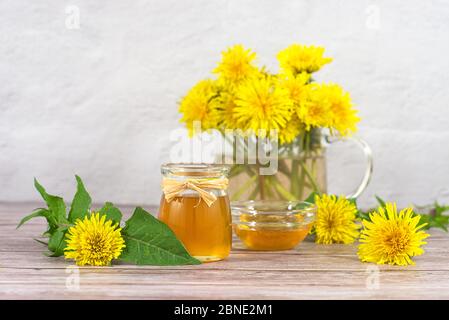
x=204 y=229
x=272 y=225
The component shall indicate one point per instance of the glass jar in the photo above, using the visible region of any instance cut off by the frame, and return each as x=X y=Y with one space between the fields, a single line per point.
x=272 y=224
x=195 y=205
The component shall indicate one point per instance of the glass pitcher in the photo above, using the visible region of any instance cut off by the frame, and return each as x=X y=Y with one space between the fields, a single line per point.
x=301 y=170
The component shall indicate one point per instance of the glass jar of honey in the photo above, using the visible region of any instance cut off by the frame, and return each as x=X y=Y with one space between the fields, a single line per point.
x=272 y=225
x=195 y=205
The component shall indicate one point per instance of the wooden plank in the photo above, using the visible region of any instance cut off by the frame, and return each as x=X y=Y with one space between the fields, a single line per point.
x=160 y=283
x=238 y=261
x=309 y=271
x=225 y=284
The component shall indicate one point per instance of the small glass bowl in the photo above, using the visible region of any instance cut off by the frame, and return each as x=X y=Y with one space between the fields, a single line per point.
x=272 y=225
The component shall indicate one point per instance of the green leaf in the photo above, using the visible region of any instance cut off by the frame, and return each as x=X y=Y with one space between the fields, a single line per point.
x=353 y=201
x=81 y=202
x=56 y=206
x=311 y=197
x=381 y=201
x=111 y=212
x=151 y=242
x=41 y=242
x=441 y=222
x=440 y=209
x=40 y=212
x=302 y=205
x=363 y=215
x=57 y=243
x=49 y=232
x=435 y=217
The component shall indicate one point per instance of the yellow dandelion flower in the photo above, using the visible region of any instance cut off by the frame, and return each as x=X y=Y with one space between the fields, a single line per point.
x=314 y=108
x=261 y=105
x=335 y=220
x=300 y=58
x=197 y=106
x=391 y=237
x=224 y=106
x=236 y=64
x=343 y=115
x=295 y=85
x=296 y=88
x=291 y=130
x=327 y=105
x=94 y=241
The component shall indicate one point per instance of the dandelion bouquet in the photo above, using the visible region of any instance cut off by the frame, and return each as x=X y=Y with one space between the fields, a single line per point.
x=287 y=108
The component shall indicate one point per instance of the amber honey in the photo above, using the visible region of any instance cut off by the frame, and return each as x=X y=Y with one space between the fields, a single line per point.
x=205 y=231
x=270 y=239
x=272 y=225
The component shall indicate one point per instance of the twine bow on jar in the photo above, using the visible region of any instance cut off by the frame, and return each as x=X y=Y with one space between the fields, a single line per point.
x=172 y=188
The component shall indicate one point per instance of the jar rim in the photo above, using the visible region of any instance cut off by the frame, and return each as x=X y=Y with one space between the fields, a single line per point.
x=277 y=208
x=274 y=206
x=197 y=169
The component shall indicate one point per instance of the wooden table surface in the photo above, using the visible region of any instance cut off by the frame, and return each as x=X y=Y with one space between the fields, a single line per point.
x=310 y=271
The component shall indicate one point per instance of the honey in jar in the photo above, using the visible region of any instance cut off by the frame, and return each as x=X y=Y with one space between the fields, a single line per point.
x=271 y=239
x=198 y=209
x=272 y=225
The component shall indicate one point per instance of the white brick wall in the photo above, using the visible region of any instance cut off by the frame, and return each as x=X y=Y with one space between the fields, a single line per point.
x=100 y=100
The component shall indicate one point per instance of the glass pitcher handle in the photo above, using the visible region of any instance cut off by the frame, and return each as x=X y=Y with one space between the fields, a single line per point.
x=368 y=156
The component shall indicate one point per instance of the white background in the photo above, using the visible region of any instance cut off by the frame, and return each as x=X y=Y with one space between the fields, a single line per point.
x=100 y=100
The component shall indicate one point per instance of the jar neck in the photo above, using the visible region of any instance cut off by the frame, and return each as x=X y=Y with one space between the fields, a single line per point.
x=185 y=172
x=193 y=193
x=194 y=180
